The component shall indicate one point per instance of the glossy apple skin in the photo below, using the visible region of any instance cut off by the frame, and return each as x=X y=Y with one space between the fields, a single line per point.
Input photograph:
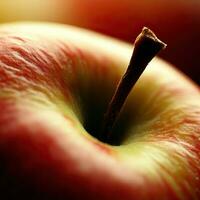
x=177 y=22
x=56 y=80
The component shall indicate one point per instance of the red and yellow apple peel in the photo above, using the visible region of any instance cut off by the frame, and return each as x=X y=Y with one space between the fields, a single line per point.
x=54 y=86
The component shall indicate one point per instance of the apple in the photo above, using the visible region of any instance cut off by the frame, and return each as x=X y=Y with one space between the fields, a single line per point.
x=124 y=19
x=56 y=82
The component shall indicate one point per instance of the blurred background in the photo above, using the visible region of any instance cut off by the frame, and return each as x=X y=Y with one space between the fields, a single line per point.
x=177 y=22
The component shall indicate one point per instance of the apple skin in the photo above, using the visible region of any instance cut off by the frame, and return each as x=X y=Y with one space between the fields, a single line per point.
x=55 y=83
x=176 y=22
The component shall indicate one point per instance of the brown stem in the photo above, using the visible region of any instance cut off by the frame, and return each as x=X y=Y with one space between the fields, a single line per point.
x=146 y=46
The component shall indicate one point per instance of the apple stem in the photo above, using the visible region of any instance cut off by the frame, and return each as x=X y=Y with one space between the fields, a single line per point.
x=146 y=46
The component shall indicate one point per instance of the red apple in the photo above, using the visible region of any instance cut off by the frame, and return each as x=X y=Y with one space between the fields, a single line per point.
x=124 y=19
x=55 y=83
